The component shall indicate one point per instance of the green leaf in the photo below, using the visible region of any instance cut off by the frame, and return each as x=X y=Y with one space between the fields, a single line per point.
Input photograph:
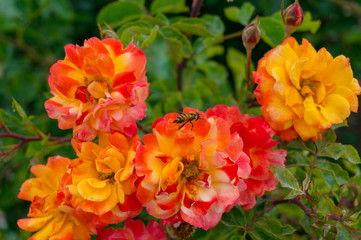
x=163 y=18
x=306 y=182
x=308 y=24
x=328 y=137
x=34 y=148
x=298 y=157
x=159 y=63
x=235 y=218
x=237 y=62
x=170 y=104
x=211 y=84
x=180 y=44
x=330 y=203
x=19 y=109
x=9 y=120
x=232 y=13
x=340 y=175
x=137 y=24
x=150 y=39
x=337 y=151
x=134 y=31
x=245 y=13
x=286 y=178
x=217 y=72
x=321 y=216
x=343 y=124
x=299 y=144
x=219 y=232
x=214 y=25
x=342 y=233
x=194 y=26
x=166 y=6
x=117 y=13
x=153 y=21
x=274 y=226
x=140 y=2
x=272 y=31
x=306 y=223
x=329 y=179
x=205 y=48
x=261 y=233
x=290 y=210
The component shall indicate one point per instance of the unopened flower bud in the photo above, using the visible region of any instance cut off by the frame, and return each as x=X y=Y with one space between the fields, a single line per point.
x=251 y=35
x=292 y=16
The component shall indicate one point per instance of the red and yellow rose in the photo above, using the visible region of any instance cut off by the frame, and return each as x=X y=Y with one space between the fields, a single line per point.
x=258 y=145
x=103 y=180
x=51 y=216
x=190 y=174
x=304 y=92
x=100 y=86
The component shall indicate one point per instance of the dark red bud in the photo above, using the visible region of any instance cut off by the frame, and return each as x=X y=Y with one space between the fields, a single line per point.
x=293 y=16
x=251 y=35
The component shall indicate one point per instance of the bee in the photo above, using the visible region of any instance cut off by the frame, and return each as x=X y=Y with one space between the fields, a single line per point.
x=187 y=117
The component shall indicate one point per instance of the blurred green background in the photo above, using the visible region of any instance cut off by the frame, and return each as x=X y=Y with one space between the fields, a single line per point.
x=33 y=34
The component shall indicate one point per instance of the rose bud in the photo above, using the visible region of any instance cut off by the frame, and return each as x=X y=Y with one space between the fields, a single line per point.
x=251 y=35
x=292 y=16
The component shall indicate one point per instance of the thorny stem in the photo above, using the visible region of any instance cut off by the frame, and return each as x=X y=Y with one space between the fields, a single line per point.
x=231 y=35
x=308 y=211
x=180 y=68
x=312 y=167
x=25 y=139
x=249 y=83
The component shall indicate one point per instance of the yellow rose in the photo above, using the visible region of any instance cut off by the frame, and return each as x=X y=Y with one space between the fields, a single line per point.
x=304 y=92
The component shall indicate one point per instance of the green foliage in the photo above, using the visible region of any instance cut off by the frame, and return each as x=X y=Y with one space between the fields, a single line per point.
x=286 y=178
x=180 y=45
x=338 y=151
x=118 y=13
x=241 y=15
x=342 y=233
x=164 y=6
x=272 y=30
x=327 y=205
x=270 y=228
x=235 y=218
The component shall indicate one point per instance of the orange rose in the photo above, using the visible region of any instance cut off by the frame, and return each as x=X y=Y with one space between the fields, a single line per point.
x=51 y=216
x=98 y=87
x=103 y=178
x=304 y=92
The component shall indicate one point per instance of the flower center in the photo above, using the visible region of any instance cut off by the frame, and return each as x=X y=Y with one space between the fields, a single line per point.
x=93 y=90
x=107 y=176
x=191 y=170
x=308 y=87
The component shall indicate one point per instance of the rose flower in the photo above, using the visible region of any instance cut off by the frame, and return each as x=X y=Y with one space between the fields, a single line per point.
x=304 y=92
x=190 y=173
x=100 y=86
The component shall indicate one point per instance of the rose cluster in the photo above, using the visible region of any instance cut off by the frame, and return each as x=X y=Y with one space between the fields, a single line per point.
x=194 y=166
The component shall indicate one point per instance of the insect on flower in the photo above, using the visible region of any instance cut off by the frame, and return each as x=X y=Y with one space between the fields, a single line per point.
x=187 y=117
